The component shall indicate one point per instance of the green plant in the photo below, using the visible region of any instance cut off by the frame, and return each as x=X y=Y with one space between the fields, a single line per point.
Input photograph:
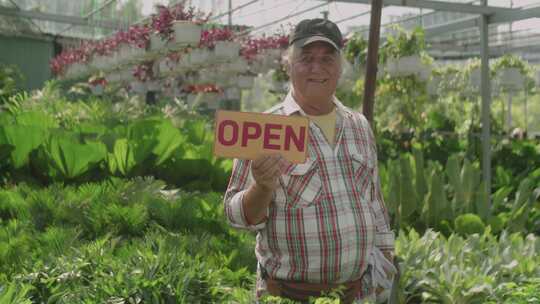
x=467 y=224
x=356 y=49
x=10 y=81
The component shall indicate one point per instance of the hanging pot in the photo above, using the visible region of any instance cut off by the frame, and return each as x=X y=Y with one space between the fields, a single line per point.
x=226 y=50
x=511 y=77
x=245 y=81
x=232 y=93
x=186 y=33
x=475 y=78
x=156 y=43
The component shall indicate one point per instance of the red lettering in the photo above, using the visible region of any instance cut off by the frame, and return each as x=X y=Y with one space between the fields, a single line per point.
x=299 y=141
x=246 y=135
x=268 y=136
x=221 y=133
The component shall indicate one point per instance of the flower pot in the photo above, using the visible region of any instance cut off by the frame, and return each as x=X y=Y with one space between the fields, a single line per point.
x=166 y=66
x=404 y=66
x=198 y=57
x=537 y=79
x=279 y=86
x=156 y=43
x=211 y=100
x=232 y=93
x=153 y=86
x=226 y=50
x=433 y=85
x=511 y=77
x=245 y=82
x=475 y=78
x=186 y=33
x=97 y=89
x=236 y=66
x=138 y=87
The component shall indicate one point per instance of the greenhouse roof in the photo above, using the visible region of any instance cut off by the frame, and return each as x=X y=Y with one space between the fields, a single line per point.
x=451 y=26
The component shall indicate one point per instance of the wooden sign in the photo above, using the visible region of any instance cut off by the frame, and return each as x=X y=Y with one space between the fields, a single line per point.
x=248 y=135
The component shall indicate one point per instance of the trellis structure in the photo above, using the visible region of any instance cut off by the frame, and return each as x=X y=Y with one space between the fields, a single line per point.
x=485 y=15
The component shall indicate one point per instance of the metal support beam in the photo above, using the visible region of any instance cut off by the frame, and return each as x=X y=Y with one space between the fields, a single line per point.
x=467 y=23
x=485 y=87
x=372 y=60
x=441 y=6
x=515 y=15
x=8 y=11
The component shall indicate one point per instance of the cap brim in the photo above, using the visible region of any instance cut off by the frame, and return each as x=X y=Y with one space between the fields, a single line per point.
x=305 y=41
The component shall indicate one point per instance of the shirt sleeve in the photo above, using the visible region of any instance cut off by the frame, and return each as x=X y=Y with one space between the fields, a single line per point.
x=240 y=180
x=384 y=236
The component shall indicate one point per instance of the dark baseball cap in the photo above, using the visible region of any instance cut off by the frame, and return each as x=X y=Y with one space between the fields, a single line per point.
x=311 y=30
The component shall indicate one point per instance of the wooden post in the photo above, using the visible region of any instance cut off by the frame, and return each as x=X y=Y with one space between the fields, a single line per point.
x=372 y=59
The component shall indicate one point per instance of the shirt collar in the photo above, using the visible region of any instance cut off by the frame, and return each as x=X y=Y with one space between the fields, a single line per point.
x=290 y=106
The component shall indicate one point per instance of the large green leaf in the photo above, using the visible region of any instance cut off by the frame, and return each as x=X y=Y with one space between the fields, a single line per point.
x=128 y=154
x=436 y=205
x=452 y=171
x=24 y=139
x=421 y=184
x=409 y=199
x=168 y=140
x=38 y=119
x=122 y=157
x=72 y=158
x=197 y=131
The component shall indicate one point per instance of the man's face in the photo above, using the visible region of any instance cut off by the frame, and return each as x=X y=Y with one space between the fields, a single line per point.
x=315 y=72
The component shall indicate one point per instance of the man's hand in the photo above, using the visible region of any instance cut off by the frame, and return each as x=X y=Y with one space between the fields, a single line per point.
x=266 y=171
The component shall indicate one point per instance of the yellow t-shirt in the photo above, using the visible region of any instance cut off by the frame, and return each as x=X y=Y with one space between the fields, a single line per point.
x=327 y=123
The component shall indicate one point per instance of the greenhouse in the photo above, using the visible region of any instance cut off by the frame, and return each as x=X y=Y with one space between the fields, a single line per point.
x=256 y=151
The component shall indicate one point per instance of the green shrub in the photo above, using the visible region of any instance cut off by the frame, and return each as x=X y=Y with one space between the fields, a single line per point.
x=467 y=224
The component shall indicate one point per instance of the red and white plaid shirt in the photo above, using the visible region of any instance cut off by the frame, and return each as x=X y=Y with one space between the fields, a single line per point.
x=328 y=213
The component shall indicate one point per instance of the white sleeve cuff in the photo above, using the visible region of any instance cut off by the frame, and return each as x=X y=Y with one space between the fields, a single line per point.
x=238 y=219
x=384 y=240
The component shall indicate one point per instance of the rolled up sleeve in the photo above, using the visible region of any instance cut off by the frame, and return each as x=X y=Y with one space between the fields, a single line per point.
x=238 y=184
x=384 y=237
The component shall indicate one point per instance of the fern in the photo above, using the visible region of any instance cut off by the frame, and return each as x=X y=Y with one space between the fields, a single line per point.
x=15 y=294
x=12 y=205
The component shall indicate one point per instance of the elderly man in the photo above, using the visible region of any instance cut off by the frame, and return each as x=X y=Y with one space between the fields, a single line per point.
x=321 y=224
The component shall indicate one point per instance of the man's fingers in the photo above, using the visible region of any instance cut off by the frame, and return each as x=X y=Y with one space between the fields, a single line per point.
x=265 y=163
x=271 y=173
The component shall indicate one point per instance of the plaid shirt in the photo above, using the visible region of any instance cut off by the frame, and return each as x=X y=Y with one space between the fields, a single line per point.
x=328 y=213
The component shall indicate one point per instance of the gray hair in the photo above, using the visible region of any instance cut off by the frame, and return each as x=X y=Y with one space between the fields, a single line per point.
x=294 y=52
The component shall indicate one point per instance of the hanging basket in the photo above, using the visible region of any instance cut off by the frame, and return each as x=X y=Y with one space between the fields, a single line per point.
x=232 y=93
x=166 y=66
x=138 y=87
x=512 y=78
x=236 y=66
x=404 y=66
x=153 y=86
x=475 y=78
x=226 y=50
x=186 y=33
x=156 y=43
x=97 y=89
x=432 y=87
x=245 y=81
x=198 y=57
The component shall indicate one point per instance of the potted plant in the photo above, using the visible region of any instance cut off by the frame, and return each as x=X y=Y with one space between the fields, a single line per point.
x=220 y=41
x=245 y=81
x=511 y=71
x=402 y=53
x=176 y=27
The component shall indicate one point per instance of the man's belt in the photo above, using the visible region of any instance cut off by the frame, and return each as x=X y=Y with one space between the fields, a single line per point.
x=301 y=291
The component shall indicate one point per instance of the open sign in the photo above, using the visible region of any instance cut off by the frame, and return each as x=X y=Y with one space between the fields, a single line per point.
x=249 y=135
